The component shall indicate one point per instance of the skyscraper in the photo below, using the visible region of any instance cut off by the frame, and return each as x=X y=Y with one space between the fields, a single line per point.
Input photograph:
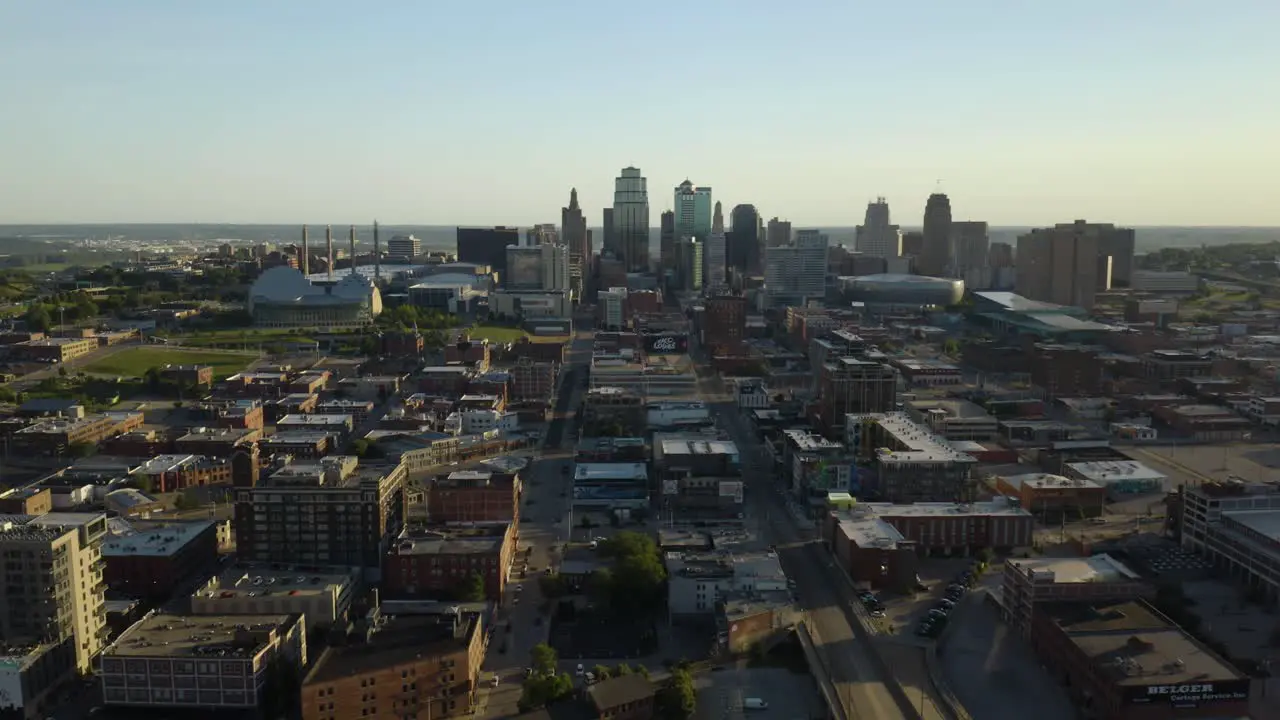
x=631 y=219
x=935 y=257
x=876 y=237
x=487 y=246
x=610 y=242
x=305 y=261
x=969 y=253
x=544 y=234
x=713 y=276
x=779 y=233
x=689 y=262
x=1117 y=243
x=573 y=230
x=796 y=273
x=544 y=267
x=667 y=241
x=742 y=250
x=1059 y=264
x=693 y=210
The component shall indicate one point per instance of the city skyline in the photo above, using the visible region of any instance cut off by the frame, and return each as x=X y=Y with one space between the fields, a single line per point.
x=137 y=112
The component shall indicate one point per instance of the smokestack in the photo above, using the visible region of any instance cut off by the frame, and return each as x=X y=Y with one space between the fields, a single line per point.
x=328 y=242
x=306 y=253
x=353 y=249
x=377 y=255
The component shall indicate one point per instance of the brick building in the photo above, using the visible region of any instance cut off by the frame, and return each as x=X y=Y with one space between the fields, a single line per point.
x=168 y=473
x=468 y=496
x=187 y=375
x=533 y=381
x=159 y=558
x=1054 y=497
x=724 y=321
x=1029 y=583
x=472 y=353
x=26 y=501
x=439 y=562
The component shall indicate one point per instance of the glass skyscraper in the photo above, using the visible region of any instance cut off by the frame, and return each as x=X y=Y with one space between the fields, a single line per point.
x=631 y=219
x=693 y=211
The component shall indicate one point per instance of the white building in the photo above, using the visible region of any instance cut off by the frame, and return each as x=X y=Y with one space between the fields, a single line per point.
x=714 y=270
x=514 y=304
x=795 y=274
x=473 y=422
x=324 y=597
x=404 y=246
x=1156 y=281
x=876 y=236
x=695 y=581
x=613 y=304
x=1119 y=477
x=751 y=393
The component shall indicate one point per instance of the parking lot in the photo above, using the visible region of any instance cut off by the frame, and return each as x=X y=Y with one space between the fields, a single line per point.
x=790 y=696
x=1195 y=463
x=993 y=672
x=1245 y=628
x=904 y=613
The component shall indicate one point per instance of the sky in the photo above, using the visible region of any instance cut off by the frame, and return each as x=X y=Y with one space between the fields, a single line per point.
x=1025 y=112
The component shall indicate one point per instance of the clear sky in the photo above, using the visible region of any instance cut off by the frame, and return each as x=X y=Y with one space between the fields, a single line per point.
x=1148 y=112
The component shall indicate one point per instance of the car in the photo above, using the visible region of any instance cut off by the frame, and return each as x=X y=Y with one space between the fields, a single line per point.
x=519 y=588
x=877 y=613
x=866 y=596
x=590 y=677
x=932 y=613
x=496 y=681
x=581 y=670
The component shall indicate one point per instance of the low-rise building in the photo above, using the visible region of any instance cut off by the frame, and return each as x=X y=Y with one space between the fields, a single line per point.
x=337 y=425
x=611 y=486
x=1029 y=583
x=302 y=444
x=323 y=596
x=474 y=496
x=1205 y=423
x=1054 y=498
x=55 y=436
x=920 y=372
x=1126 y=661
x=1236 y=525
x=954 y=419
x=155 y=559
x=1118 y=477
x=696 y=581
x=700 y=479
x=201 y=661
x=357 y=409
x=215 y=442
x=58 y=349
x=439 y=562
x=396 y=666
x=32 y=500
x=169 y=473
x=626 y=697
x=911 y=463
x=187 y=375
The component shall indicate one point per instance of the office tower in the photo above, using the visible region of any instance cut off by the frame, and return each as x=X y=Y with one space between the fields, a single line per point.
x=693 y=211
x=377 y=255
x=610 y=235
x=913 y=243
x=332 y=511
x=935 y=256
x=796 y=273
x=1117 y=243
x=1000 y=255
x=631 y=219
x=542 y=267
x=667 y=241
x=713 y=276
x=52 y=608
x=779 y=233
x=742 y=251
x=405 y=246
x=487 y=246
x=556 y=275
x=328 y=243
x=969 y=253
x=305 y=260
x=352 y=238
x=573 y=230
x=1059 y=264
x=876 y=236
x=544 y=234
x=689 y=263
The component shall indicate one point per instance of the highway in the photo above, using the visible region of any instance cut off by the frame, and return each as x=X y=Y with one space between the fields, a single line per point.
x=825 y=596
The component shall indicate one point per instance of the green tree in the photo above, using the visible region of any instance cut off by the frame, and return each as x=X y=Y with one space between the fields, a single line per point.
x=676 y=699
x=638 y=575
x=82 y=449
x=543 y=659
x=360 y=447
x=622 y=669
x=602 y=672
x=600 y=587
x=473 y=589
x=37 y=318
x=951 y=347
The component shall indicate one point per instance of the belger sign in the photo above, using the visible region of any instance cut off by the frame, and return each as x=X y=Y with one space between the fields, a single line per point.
x=1191 y=694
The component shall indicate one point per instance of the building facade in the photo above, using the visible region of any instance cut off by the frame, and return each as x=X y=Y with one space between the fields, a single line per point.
x=795 y=274
x=876 y=236
x=631 y=219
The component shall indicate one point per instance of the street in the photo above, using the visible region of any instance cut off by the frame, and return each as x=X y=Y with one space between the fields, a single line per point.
x=827 y=598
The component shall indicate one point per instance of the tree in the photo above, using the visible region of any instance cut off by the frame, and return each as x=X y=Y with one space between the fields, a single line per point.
x=37 y=318
x=622 y=669
x=951 y=347
x=473 y=589
x=82 y=449
x=62 y=371
x=676 y=699
x=360 y=447
x=543 y=659
x=600 y=586
x=638 y=574
x=552 y=586
x=602 y=672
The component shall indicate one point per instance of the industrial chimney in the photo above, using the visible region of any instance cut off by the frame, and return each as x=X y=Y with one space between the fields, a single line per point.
x=306 y=253
x=328 y=241
x=353 y=249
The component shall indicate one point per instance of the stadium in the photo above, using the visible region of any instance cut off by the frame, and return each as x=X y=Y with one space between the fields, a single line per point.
x=283 y=297
x=902 y=290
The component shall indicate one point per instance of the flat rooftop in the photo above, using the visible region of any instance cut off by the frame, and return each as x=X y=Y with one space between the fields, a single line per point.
x=200 y=636
x=915 y=442
x=1098 y=568
x=155 y=541
x=599 y=472
x=1109 y=471
x=480 y=540
x=1264 y=522
x=1135 y=646
x=926 y=364
x=954 y=407
x=698 y=447
x=315 y=420
x=400 y=639
x=807 y=441
x=245 y=581
x=1046 y=480
x=869 y=530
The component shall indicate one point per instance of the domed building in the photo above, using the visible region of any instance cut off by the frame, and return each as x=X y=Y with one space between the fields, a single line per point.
x=903 y=290
x=284 y=297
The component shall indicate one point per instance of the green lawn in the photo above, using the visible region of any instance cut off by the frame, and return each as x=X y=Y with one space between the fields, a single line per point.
x=496 y=333
x=237 y=337
x=135 y=362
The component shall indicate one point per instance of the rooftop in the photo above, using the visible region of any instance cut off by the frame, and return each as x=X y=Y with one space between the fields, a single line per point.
x=1107 y=471
x=955 y=407
x=394 y=640
x=592 y=472
x=618 y=691
x=168 y=463
x=921 y=364
x=1016 y=303
x=807 y=441
x=1045 y=480
x=316 y=420
x=1263 y=522
x=698 y=447
x=915 y=442
x=160 y=541
x=248 y=581
x=201 y=636
x=1137 y=647
x=477 y=540
x=1098 y=568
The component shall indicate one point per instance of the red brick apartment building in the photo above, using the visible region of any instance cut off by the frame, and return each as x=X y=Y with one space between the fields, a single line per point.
x=474 y=353
x=724 y=321
x=532 y=381
x=1125 y=661
x=1030 y=583
x=159 y=558
x=469 y=496
x=438 y=562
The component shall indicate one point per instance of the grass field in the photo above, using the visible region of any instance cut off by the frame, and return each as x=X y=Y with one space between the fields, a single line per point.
x=135 y=362
x=237 y=337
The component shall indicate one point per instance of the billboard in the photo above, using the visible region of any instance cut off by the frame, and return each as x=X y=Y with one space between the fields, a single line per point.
x=666 y=343
x=1189 y=695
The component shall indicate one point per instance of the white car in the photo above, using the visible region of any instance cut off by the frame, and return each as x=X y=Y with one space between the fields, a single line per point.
x=581 y=670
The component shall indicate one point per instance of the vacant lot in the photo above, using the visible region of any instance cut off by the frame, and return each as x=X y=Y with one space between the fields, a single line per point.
x=134 y=362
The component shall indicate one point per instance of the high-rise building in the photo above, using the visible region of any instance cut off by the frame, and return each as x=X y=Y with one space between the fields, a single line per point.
x=487 y=246
x=969 y=253
x=556 y=274
x=796 y=273
x=1000 y=255
x=742 y=251
x=667 y=240
x=631 y=219
x=912 y=243
x=544 y=234
x=935 y=256
x=693 y=211
x=524 y=268
x=333 y=512
x=610 y=234
x=779 y=233
x=713 y=275
x=405 y=246
x=53 y=598
x=1117 y=243
x=1059 y=264
x=724 y=321
x=573 y=229
x=689 y=265
x=876 y=236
